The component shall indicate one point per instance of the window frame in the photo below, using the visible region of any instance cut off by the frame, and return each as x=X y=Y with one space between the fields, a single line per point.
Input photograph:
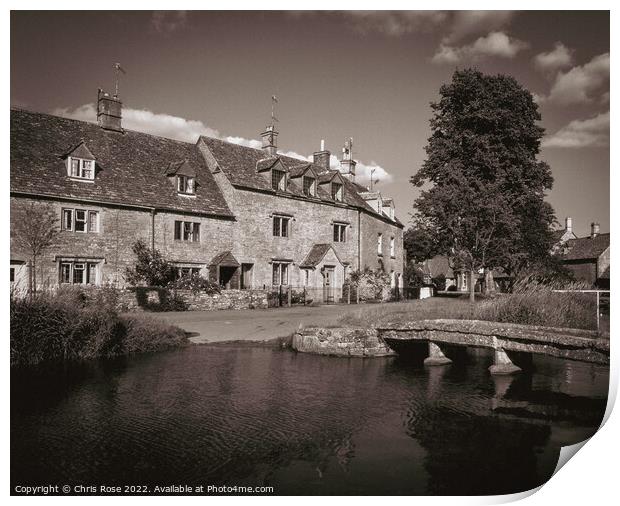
x=392 y=247
x=69 y=220
x=67 y=272
x=283 y=227
x=186 y=185
x=186 y=231
x=280 y=184
x=82 y=166
x=338 y=193
x=339 y=232
x=380 y=244
x=310 y=190
x=280 y=271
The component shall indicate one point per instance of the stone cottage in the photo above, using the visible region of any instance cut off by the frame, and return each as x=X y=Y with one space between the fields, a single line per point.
x=244 y=217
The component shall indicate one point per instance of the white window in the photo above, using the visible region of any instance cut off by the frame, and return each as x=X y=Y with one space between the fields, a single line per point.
x=80 y=220
x=185 y=184
x=187 y=271
x=280 y=273
x=186 y=231
x=80 y=168
x=337 y=192
x=309 y=186
x=380 y=244
x=340 y=232
x=281 y=226
x=392 y=250
x=79 y=273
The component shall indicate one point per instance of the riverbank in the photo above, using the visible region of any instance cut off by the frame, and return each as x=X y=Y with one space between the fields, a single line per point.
x=69 y=326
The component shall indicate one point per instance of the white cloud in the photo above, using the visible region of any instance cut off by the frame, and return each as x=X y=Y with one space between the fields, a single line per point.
x=496 y=44
x=395 y=23
x=146 y=121
x=175 y=127
x=580 y=84
x=559 y=57
x=592 y=132
x=168 y=21
x=466 y=23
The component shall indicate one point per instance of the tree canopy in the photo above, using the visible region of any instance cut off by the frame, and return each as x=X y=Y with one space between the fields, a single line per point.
x=483 y=200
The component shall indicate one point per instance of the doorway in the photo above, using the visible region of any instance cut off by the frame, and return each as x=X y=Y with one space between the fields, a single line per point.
x=328 y=284
x=246 y=276
x=226 y=276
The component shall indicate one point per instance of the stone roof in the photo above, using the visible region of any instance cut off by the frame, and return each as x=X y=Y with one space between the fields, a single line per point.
x=226 y=259
x=239 y=164
x=316 y=254
x=130 y=166
x=585 y=248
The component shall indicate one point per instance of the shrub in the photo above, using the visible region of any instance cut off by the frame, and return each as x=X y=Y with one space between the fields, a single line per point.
x=196 y=283
x=370 y=284
x=151 y=268
x=67 y=325
x=534 y=303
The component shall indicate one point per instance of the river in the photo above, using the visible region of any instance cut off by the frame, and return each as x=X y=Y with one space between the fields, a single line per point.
x=304 y=424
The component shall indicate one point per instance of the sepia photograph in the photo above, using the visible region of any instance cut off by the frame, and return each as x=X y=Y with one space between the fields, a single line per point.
x=306 y=252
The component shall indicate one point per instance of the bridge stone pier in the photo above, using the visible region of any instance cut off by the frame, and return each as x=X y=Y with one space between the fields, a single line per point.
x=436 y=356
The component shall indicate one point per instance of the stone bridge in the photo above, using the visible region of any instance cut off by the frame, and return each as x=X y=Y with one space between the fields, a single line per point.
x=511 y=342
x=508 y=340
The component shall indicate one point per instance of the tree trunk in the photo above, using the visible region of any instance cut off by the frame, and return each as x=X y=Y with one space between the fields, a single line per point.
x=30 y=278
x=472 y=296
x=34 y=274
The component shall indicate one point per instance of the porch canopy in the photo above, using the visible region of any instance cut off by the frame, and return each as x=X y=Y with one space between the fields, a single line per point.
x=224 y=269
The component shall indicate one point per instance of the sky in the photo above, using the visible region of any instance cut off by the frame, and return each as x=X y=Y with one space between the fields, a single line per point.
x=366 y=75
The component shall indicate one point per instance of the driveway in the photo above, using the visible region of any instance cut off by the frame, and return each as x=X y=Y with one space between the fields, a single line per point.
x=252 y=324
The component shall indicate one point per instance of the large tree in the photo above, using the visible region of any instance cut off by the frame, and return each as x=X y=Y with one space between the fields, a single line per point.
x=485 y=187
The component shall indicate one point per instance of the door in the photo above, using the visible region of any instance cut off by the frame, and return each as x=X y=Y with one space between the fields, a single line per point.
x=328 y=285
x=246 y=276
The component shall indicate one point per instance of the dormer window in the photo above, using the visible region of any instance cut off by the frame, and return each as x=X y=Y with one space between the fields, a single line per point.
x=278 y=180
x=185 y=184
x=337 y=192
x=80 y=168
x=80 y=163
x=309 y=186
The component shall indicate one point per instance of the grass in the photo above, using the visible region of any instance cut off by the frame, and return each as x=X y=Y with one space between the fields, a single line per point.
x=74 y=324
x=530 y=304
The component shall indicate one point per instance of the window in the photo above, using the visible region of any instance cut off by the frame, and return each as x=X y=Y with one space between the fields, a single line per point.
x=380 y=244
x=309 y=186
x=80 y=220
x=280 y=273
x=392 y=253
x=340 y=232
x=80 y=168
x=79 y=273
x=187 y=271
x=278 y=180
x=281 y=226
x=185 y=184
x=186 y=231
x=337 y=192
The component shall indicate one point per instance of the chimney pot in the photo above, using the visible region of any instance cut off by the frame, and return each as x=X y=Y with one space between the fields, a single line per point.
x=595 y=229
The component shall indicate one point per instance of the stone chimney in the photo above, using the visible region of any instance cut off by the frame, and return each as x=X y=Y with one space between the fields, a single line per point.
x=109 y=108
x=270 y=140
x=322 y=157
x=347 y=163
x=569 y=224
x=595 y=229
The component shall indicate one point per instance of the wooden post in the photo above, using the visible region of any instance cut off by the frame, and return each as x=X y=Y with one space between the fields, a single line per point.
x=598 y=312
x=289 y=295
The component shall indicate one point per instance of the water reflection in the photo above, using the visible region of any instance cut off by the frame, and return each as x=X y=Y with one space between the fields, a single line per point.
x=303 y=424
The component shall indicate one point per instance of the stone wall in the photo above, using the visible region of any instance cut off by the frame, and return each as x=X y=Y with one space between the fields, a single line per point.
x=137 y=299
x=342 y=342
